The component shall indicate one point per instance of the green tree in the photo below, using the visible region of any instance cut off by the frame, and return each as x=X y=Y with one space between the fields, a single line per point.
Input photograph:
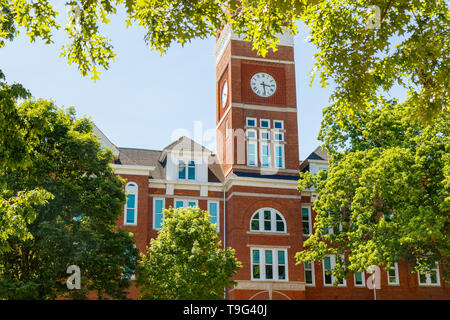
x=185 y=261
x=365 y=47
x=386 y=194
x=77 y=224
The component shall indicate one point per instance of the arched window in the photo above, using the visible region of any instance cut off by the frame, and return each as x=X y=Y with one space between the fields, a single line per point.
x=267 y=220
x=130 y=210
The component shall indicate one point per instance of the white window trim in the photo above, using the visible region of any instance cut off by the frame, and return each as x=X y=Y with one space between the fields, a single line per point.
x=250 y=118
x=218 y=213
x=283 y=164
x=255 y=155
x=154 y=213
x=273 y=221
x=397 y=277
x=269 y=155
x=333 y=278
x=428 y=278
x=309 y=220
x=282 y=124
x=186 y=170
x=313 y=275
x=278 y=132
x=260 y=123
x=125 y=223
x=262 y=263
x=363 y=275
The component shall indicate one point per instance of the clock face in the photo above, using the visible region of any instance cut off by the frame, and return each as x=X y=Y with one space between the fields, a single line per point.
x=263 y=84
x=224 y=94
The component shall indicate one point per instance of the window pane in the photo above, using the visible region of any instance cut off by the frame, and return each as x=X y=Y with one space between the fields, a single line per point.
x=181 y=170
x=305 y=226
x=308 y=277
x=267 y=225
x=256 y=271
x=191 y=170
x=268 y=256
x=305 y=214
x=280 y=226
x=179 y=204
x=433 y=277
x=278 y=124
x=158 y=206
x=255 y=223
x=281 y=257
x=256 y=256
x=130 y=201
x=358 y=278
x=213 y=209
x=264 y=123
x=130 y=215
x=192 y=204
x=327 y=263
x=267 y=215
x=251 y=122
x=281 y=272
x=422 y=278
x=269 y=272
x=158 y=220
x=213 y=220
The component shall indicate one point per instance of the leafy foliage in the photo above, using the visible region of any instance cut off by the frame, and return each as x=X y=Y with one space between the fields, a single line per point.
x=185 y=261
x=386 y=194
x=76 y=225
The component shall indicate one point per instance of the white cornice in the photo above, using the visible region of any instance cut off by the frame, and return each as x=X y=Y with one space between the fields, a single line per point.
x=132 y=169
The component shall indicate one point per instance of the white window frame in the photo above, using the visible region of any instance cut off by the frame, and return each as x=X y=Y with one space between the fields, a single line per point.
x=428 y=278
x=309 y=220
x=262 y=264
x=269 y=156
x=363 y=276
x=125 y=223
x=283 y=164
x=218 y=212
x=333 y=278
x=255 y=155
x=313 y=275
x=154 y=213
x=260 y=123
x=278 y=121
x=397 y=277
x=185 y=203
x=273 y=221
x=250 y=118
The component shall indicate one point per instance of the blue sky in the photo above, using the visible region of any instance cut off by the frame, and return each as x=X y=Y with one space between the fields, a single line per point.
x=145 y=99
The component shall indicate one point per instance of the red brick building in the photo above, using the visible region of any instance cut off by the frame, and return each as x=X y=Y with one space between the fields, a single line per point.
x=250 y=186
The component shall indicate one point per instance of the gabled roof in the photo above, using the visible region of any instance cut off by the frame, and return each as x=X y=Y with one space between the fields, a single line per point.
x=184 y=145
x=142 y=157
x=317 y=154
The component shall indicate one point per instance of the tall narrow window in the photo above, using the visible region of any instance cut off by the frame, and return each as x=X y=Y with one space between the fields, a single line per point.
x=158 y=206
x=191 y=170
x=265 y=155
x=430 y=278
x=309 y=273
x=269 y=264
x=130 y=211
x=213 y=208
x=251 y=153
x=392 y=273
x=281 y=265
x=306 y=221
x=279 y=156
x=181 y=170
x=256 y=271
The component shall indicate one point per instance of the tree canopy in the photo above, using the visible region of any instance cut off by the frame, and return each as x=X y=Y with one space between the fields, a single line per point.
x=76 y=225
x=386 y=194
x=365 y=48
x=186 y=261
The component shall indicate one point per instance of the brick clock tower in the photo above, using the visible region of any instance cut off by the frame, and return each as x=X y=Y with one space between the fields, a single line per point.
x=257 y=146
